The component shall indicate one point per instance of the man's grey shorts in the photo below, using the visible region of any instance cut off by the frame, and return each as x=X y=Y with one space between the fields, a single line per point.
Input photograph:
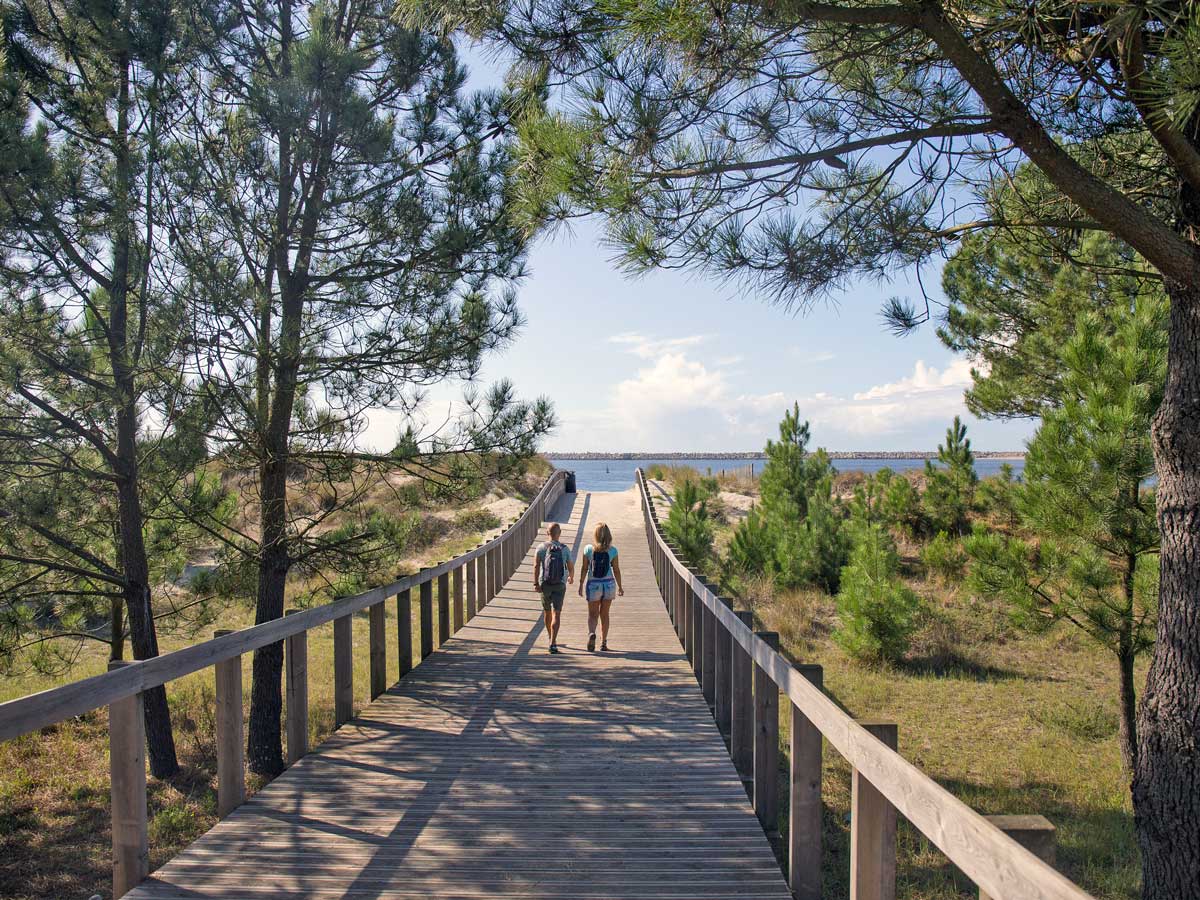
x=553 y=595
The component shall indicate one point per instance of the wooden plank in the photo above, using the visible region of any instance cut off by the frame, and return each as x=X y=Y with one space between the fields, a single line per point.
x=231 y=760
x=872 y=831
x=426 y=614
x=456 y=578
x=343 y=671
x=127 y=770
x=804 y=802
x=741 y=732
x=404 y=635
x=378 y=649
x=766 y=742
x=723 y=675
x=296 y=662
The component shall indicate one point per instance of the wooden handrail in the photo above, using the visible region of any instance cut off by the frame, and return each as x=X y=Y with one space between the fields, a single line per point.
x=34 y=711
x=994 y=861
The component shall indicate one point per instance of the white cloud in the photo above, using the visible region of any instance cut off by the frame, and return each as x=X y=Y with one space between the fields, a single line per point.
x=649 y=348
x=674 y=400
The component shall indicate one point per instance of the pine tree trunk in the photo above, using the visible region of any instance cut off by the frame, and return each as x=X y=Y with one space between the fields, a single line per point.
x=1166 y=784
x=264 y=741
x=160 y=742
x=1127 y=730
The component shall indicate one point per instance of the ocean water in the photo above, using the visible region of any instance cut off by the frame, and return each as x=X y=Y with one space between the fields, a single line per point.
x=617 y=474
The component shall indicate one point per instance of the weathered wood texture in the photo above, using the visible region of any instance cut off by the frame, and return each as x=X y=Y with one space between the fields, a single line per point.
x=495 y=769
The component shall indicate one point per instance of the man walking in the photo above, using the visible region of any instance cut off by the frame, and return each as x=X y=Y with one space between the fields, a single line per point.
x=553 y=570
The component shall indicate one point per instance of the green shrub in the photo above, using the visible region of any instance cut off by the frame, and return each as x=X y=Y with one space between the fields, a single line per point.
x=877 y=613
x=997 y=496
x=477 y=519
x=688 y=524
x=814 y=550
x=945 y=558
x=751 y=549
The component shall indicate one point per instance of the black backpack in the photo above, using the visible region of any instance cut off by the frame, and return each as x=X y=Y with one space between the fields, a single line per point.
x=600 y=564
x=554 y=567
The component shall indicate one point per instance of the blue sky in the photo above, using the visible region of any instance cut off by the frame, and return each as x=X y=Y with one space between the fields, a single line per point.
x=674 y=362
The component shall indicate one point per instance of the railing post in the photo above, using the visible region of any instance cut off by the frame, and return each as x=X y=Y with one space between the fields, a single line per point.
x=872 y=831
x=426 y=613
x=456 y=580
x=741 y=708
x=127 y=769
x=766 y=741
x=722 y=673
x=296 y=657
x=480 y=581
x=491 y=575
x=404 y=634
x=443 y=608
x=696 y=635
x=343 y=671
x=231 y=760
x=708 y=648
x=378 y=638
x=1034 y=833
x=804 y=806
x=472 y=566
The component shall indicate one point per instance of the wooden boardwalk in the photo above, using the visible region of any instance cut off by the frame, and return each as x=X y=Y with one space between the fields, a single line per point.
x=495 y=769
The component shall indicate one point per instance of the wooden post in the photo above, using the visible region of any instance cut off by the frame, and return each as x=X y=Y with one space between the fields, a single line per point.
x=456 y=581
x=723 y=674
x=426 y=613
x=490 y=580
x=231 y=760
x=378 y=638
x=404 y=635
x=343 y=671
x=708 y=651
x=296 y=653
x=127 y=769
x=804 y=807
x=741 y=708
x=480 y=582
x=443 y=608
x=766 y=742
x=471 y=568
x=696 y=637
x=1034 y=833
x=872 y=831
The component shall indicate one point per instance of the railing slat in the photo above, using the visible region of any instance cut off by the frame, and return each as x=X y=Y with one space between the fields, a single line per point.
x=296 y=661
x=127 y=769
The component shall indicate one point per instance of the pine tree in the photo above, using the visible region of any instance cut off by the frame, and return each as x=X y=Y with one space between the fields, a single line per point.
x=950 y=491
x=688 y=523
x=876 y=612
x=1084 y=499
x=88 y=338
x=349 y=244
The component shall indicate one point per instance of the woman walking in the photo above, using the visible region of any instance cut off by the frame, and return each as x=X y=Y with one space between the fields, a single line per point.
x=601 y=578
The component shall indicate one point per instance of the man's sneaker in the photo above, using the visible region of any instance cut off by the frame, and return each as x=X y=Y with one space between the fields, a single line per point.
x=591 y=642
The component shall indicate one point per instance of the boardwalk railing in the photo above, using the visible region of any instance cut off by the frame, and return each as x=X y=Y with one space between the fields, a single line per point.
x=465 y=584
x=742 y=673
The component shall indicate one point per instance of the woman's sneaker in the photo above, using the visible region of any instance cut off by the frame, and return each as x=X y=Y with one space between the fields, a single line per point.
x=554 y=648
x=591 y=642
x=604 y=648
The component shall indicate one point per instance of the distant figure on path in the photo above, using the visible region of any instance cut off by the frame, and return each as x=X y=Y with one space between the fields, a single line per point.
x=602 y=577
x=553 y=570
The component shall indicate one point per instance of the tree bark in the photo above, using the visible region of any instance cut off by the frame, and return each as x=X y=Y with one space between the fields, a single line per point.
x=1166 y=784
x=160 y=741
x=1127 y=730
